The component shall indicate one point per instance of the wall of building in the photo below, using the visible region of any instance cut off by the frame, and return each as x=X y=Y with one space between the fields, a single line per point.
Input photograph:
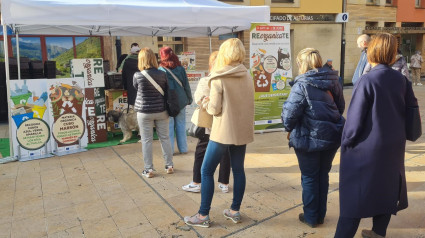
x=407 y=12
x=360 y=13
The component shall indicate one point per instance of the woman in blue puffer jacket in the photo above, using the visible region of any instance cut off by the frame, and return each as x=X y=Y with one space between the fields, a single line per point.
x=312 y=115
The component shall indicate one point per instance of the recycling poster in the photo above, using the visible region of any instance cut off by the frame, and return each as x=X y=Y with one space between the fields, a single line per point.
x=29 y=104
x=271 y=70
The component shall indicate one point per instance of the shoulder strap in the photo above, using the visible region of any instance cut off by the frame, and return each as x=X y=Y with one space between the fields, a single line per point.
x=174 y=76
x=153 y=82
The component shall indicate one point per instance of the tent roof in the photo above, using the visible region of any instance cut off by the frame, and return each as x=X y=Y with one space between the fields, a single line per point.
x=130 y=17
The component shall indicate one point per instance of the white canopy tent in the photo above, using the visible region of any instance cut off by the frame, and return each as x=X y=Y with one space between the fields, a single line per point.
x=184 y=18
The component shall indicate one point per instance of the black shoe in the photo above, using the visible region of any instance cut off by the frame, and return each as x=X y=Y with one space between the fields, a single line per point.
x=321 y=221
x=301 y=217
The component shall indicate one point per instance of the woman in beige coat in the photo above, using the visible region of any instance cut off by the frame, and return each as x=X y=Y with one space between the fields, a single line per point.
x=231 y=102
x=202 y=91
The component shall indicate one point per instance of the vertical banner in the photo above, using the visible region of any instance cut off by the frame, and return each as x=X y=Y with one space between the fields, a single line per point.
x=68 y=115
x=30 y=127
x=270 y=67
x=94 y=82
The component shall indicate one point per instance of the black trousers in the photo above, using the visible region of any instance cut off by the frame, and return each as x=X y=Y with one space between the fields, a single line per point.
x=224 y=172
x=347 y=227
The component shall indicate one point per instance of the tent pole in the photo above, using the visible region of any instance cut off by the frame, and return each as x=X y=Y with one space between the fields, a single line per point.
x=18 y=56
x=6 y=64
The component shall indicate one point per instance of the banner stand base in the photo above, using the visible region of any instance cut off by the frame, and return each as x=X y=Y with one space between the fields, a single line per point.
x=7 y=160
x=23 y=159
x=68 y=152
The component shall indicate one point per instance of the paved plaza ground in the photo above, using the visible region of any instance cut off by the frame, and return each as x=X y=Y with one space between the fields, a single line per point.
x=101 y=193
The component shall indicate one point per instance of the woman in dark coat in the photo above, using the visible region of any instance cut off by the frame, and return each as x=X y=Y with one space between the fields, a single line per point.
x=372 y=178
x=313 y=116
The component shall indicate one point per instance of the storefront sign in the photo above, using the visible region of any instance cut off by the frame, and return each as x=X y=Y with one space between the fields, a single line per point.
x=394 y=30
x=294 y=18
x=270 y=67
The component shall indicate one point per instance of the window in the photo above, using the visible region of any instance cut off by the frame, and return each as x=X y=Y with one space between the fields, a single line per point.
x=176 y=43
x=372 y=2
x=418 y=3
x=389 y=24
x=389 y=2
x=28 y=47
x=282 y=1
x=371 y=24
x=228 y=36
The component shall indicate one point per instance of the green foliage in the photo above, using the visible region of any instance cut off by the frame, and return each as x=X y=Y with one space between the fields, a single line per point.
x=90 y=48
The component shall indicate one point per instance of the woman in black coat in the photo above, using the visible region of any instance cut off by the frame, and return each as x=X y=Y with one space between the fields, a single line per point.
x=372 y=177
x=313 y=116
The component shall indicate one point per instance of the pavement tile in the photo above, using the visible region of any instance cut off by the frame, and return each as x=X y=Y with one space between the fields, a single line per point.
x=84 y=195
x=80 y=182
x=61 y=220
x=57 y=201
x=119 y=202
x=100 y=228
x=52 y=163
x=139 y=232
x=31 y=226
x=108 y=187
x=73 y=232
x=5 y=229
x=28 y=208
x=131 y=218
x=93 y=210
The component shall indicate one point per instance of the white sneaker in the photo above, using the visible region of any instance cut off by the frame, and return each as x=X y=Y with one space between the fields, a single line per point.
x=148 y=173
x=191 y=187
x=419 y=84
x=224 y=188
x=169 y=169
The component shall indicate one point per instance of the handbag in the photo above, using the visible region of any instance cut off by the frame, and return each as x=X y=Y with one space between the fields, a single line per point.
x=413 y=124
x=172 y=98
x=201 y=118
x=196 y=131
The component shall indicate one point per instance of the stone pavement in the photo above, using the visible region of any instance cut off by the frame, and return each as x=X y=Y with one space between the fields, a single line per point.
x=101 y=193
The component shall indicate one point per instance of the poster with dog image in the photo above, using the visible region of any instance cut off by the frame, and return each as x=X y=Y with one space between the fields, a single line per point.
x=68 y=115
x=30 y=126
x=271 y=70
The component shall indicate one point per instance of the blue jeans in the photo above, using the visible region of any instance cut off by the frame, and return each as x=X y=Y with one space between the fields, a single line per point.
x=215 y=152
x=178 y=125
x=315 y=167
x=347 y=227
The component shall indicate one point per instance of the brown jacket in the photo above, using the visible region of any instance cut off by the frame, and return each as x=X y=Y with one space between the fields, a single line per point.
x=232 y=105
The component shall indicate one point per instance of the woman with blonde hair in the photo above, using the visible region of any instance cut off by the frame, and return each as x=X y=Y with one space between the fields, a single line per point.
x=312 y=116
x=151 y=110
x=202 y=91
x=231 y=102
x=372 y=180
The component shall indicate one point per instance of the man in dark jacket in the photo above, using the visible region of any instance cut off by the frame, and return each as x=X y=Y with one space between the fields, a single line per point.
x=128 y=70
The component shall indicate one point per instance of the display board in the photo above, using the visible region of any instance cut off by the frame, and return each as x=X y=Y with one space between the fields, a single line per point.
x=271 y=69
x=92 y=72
x=29 y=104
x=68 y=115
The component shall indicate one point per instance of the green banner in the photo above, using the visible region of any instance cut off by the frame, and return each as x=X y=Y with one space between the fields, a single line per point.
x=271 y=70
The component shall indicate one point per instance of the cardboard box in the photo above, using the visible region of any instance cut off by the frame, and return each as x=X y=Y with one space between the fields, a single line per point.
x=115 y=99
